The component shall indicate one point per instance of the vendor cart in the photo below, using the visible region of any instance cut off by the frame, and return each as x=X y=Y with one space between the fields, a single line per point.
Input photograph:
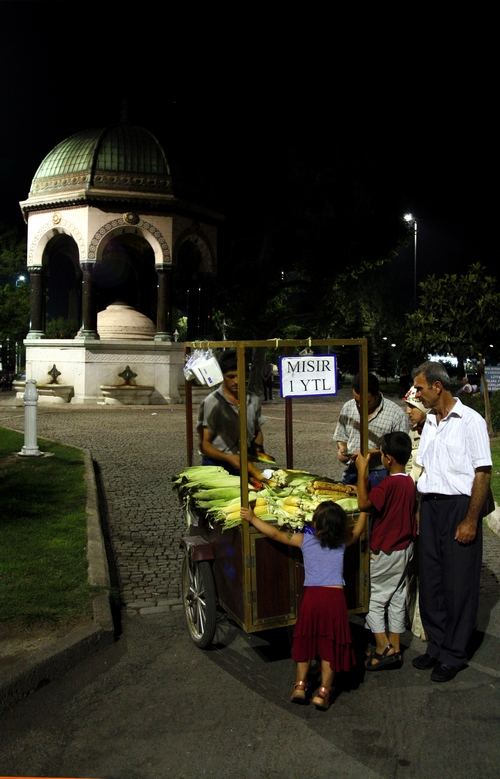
x=256 y=581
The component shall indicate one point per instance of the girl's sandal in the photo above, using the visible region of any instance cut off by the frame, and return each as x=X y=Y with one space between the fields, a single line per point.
x=298 y=693
x=321 y=698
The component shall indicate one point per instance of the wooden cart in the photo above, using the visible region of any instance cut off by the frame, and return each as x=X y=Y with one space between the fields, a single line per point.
x=256 y=581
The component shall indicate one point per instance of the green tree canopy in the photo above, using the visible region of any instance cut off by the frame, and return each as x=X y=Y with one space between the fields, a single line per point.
x=14 y=300
x=457 y=314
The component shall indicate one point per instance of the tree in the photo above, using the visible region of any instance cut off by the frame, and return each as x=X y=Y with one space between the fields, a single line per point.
x=14 y=296
x=12 y=253
x=458 y=314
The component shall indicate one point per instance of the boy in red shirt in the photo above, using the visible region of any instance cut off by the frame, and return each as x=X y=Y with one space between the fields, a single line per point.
x=393 y=530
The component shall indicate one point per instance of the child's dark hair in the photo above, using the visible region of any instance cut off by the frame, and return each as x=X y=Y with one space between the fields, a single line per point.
x=330 y=523
x=397 y=445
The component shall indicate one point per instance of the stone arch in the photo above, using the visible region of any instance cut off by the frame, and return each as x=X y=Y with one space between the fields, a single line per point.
x=62 y=282
x=124 y=271
x=118 y=226
x=57 y=226
x=194 y=274
x=197 y=237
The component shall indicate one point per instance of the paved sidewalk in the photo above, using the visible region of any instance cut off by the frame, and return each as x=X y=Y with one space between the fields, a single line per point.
x=137 y=451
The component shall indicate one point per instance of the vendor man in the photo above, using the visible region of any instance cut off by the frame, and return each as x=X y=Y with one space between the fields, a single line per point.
x=219 y=424
x=384 y=416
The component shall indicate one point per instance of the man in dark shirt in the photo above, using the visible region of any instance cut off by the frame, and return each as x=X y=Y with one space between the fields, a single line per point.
x=218 y=421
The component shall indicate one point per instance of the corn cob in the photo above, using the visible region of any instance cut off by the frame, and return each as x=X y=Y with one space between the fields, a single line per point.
x=322 y=484
x=237 y=521
x=307 y=504
x=215 y=480
x=230 y=516
x=300 y=481
x=279 y=478
x=197 y=472
x=318 y=484
x=348 y=504
x=330 y=495
x=293 y=511
x=263 y=457
x=291 y=500
x=259 y=511
x=216 y=493
x=209 y=504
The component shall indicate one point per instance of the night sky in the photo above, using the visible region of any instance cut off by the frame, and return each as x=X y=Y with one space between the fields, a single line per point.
x=242 y=104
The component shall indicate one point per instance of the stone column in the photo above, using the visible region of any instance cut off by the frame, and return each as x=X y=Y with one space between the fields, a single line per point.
x=164 y=303
x=89 y=311
x=37 y=302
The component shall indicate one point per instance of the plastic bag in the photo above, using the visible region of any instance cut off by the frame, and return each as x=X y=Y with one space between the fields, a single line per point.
x=202 y=366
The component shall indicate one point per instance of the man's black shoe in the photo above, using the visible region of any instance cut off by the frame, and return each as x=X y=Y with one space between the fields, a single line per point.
x=445 y=673
x=423 y=662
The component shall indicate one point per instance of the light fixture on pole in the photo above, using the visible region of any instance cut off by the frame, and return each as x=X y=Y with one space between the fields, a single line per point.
x=412 y=222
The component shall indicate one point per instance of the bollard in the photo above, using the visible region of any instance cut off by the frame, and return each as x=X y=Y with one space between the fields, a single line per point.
x=30 y=398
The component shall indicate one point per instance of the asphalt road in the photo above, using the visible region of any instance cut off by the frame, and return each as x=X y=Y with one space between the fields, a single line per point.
x=153 y=705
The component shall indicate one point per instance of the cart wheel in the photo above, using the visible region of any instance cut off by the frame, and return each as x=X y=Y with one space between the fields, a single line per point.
x=200 y=603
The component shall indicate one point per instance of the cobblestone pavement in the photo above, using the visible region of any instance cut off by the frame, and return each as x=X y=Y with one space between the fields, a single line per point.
x=137 y=451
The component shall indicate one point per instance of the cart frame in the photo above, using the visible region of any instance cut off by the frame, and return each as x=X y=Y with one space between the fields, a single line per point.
x=255 y=580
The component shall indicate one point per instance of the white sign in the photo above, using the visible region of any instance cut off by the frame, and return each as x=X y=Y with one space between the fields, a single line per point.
x=309 y=374
x=493 y=378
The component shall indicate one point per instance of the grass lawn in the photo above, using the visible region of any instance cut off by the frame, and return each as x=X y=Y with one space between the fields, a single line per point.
x=43 y=562
x=495 y=473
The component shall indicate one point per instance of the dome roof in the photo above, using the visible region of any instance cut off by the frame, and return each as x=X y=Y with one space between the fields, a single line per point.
x=111 y=163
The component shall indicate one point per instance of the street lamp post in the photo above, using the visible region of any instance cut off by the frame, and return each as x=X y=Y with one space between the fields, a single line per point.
x=412 y=222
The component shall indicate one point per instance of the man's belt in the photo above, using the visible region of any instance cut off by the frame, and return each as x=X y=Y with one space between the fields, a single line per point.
x=437 y=496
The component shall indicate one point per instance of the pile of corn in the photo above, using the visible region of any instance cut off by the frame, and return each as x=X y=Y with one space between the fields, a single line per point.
x=289 y=498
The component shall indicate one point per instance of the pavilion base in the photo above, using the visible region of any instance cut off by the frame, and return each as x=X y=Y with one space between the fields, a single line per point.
x=47 y=393
x=88 y=365
x=126 y=395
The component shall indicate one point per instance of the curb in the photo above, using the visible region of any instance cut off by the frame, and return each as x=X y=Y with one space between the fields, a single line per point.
x=45 y=665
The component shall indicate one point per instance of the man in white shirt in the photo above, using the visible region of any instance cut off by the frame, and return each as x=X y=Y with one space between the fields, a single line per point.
x=384 y=416
x=453 y=487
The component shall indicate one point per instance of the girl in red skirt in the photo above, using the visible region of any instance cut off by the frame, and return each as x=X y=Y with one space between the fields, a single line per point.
x=322 y=627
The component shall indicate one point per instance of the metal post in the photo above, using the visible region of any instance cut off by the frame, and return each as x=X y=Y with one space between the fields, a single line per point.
x=415 y=264
x=411 y=220
x=30 y=398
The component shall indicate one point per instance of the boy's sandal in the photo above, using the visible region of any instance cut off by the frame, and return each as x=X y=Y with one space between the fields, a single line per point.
x=321 y=698
x=376 y=661
x=298 y=693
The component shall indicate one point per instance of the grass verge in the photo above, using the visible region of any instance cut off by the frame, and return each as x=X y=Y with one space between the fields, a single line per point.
x=495 y=472
x=43 y=560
